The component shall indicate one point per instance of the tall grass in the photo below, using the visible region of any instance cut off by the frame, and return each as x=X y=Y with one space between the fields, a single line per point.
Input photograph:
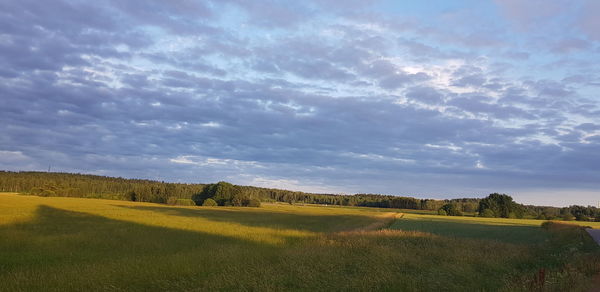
x=561 y=256
x=68 y=244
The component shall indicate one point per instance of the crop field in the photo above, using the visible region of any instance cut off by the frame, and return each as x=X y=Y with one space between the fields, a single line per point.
x=74 y=244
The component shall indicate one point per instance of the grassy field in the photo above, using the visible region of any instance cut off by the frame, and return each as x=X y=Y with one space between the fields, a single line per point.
x=71 y=244
x=501 y=229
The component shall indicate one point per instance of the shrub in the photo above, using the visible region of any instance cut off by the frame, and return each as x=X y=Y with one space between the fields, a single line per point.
x=252 y=202
x=487 y=213
x=442 y=212
x=47 y=193
x=209 y=202
x=172 y=201
x=452 y=210
x=131 y=196
x=583 y=218
x=185 y=202
x=43 y=192
x=568 y=217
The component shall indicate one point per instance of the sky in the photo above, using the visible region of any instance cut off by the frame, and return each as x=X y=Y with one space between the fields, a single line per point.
x=432 y=99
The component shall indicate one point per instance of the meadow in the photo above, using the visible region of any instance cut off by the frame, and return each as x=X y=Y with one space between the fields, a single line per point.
x=75 y=244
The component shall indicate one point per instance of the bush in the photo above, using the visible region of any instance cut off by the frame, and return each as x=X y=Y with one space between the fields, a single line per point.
x=451 y=210
x=568 y=217
x=252 y=202
x=47 y=193
x=131 y=196
x=583 y=218
x=487 y=213
x=42 y=192
x=185 y=202
x=442 y=212
x=209 y=202
x=172 y=201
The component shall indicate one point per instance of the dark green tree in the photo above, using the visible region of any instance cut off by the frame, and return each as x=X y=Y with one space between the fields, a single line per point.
x=502 y=205
x=452 y=210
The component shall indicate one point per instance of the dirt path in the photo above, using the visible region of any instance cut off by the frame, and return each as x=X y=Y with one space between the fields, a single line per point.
x=595 y=233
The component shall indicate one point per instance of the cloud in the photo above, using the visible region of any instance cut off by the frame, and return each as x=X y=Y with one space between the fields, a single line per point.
x=13 y=157
x=589 y=22
x=527 y=14
x=295 y=96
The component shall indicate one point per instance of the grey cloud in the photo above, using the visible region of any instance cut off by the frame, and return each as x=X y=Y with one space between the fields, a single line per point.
x=589 y=22
x=527 y=14
x=423 y=52
x=399 y=80
x=284 y=106
x=304 y=59
x=551 y=88
x=477 y=106
x=388 y=75
x=570 y=45
x=588 y=127
x=182 y=17
x=275 y=13
x=470 y=80
x=425 y=94
x=518 y=55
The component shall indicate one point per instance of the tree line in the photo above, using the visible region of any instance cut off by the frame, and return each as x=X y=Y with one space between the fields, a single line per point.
x=225 y=194
x=95 y=186
x=503 y=206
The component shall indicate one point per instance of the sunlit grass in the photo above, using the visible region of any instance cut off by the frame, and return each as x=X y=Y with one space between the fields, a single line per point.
x=491 y=221
x=273 y=223
x=71 y=244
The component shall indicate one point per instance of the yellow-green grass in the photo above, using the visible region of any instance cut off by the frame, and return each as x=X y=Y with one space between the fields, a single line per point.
x=564 y=252
x=71 y=244
x=502 y=229
x=493 y=221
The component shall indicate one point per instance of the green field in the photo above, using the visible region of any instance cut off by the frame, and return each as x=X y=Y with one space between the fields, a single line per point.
x=500 y=229
x=73 y=244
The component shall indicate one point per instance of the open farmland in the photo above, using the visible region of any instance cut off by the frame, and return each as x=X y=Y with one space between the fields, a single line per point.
x=501 y=229
x=73 y=244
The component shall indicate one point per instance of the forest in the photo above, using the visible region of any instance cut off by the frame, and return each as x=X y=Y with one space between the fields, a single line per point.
x=223 y=193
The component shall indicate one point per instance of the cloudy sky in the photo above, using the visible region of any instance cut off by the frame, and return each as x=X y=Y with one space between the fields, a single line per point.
x=425 y=98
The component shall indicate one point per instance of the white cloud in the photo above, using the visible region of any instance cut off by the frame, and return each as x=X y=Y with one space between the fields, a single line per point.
x=12 y=156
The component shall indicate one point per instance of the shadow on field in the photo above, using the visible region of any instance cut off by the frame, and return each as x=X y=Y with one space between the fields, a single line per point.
x=277 y=220
x=503 y=233
x=56 y=236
